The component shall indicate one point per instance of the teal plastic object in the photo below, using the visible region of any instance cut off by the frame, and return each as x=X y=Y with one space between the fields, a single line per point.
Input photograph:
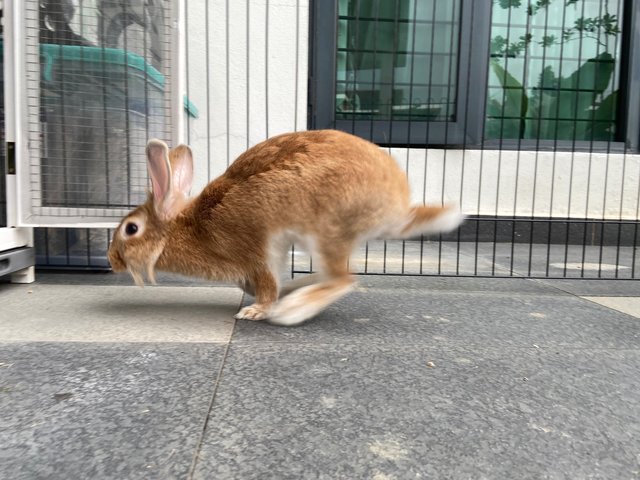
x=190 y=108
x=98 y=56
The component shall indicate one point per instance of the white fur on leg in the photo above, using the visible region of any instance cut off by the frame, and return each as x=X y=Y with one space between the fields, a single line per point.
x=307 y=302
x=297 y=283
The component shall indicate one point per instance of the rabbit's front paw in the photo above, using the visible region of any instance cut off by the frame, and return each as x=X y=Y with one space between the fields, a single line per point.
x=252 y=312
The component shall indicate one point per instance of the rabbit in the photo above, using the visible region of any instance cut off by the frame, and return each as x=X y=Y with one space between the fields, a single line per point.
x=324 y=190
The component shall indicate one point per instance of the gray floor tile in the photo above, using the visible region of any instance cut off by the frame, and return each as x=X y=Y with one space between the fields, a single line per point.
x=374 y=411
x=515 y=285
x=407 y=377
x=628 y=305
x=92 y=313
x=76 y=411
x=409 y=315
x=608 y=288
x=110 y=278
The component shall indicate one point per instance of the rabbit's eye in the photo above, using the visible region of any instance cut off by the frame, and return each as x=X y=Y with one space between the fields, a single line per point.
x=131 y=228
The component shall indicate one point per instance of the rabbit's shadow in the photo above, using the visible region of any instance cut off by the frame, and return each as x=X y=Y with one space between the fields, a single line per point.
x=154 y=309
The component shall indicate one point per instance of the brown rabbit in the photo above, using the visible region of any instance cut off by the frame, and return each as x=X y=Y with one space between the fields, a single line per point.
x=323 y=190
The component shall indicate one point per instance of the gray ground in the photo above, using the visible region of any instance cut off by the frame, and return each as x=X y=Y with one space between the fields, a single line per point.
x=408 y=377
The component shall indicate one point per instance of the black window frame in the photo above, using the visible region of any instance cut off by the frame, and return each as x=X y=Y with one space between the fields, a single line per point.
x=471 y=94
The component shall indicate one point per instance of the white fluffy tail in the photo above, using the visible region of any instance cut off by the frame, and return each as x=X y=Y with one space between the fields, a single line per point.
x=424 y=220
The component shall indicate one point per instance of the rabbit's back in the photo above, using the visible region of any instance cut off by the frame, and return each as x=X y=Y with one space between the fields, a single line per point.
x=312 y=180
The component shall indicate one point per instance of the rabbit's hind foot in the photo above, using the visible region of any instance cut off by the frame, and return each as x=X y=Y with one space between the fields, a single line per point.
x=255 y=312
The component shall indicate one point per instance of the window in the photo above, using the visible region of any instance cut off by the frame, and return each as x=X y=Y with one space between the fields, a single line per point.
x=555 y=71
x=525 y=73
x=399 y=71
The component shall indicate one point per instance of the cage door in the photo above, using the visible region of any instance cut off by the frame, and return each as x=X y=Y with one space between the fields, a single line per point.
x=93 y=81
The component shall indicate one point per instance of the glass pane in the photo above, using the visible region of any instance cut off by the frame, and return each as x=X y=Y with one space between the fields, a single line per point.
x=397 y=59
x=554 y=72
x=103 y=93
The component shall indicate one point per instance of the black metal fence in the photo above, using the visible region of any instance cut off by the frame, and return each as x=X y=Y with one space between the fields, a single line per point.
x=524 y=112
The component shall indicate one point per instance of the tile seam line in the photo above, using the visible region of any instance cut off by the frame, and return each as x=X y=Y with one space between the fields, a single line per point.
x=583 y=298
x=205 y=423
x=113 y=342
x=474 y=292
x=412 y=346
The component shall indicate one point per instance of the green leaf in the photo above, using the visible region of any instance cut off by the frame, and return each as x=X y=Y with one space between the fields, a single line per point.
x=547 y=79
x=543 y=106
x=498 y=45
x=575 y=100
x=548 y=40
x=593 y=75
x=510 y=3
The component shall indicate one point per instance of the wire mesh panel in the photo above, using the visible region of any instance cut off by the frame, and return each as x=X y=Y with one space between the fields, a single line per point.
x=401 y=61
x=523 y=112
x=528 y=118
x=99 y=83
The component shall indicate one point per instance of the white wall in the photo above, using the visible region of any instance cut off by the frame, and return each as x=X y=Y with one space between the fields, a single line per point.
x=249 y=81
x=526 y=183
x=249 y=84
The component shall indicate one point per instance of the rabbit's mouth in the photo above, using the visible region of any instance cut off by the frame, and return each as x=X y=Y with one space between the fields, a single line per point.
x=116 y=261
x=137 y=270
x=144 y=268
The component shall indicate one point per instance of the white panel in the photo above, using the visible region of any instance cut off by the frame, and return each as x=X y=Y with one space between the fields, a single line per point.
x=255 y=82
x=560 y=184
x=15 y=238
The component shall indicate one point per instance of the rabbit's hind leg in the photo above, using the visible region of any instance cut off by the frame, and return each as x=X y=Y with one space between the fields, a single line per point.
x=291 y=286
x=308 y=301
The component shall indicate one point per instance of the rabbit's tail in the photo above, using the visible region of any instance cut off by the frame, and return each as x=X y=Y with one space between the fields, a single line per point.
x=424 y=220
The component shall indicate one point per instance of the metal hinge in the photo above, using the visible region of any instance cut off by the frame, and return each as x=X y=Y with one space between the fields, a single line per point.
x=11 y=158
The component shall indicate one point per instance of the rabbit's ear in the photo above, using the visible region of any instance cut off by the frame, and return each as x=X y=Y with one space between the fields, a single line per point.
x=181 y=169
x=159 y=170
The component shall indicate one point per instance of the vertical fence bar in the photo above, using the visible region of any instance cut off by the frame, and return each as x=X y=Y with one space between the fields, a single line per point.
x=464 y=144
x=521 y=135
x=248 y=68
x=297 y=69
x=376 y=25
x=126 y=107
x=500 y=147
x=604 y=199
x=266 y=68
x=414 y=20
x=178 y=70
x=186 y=66
x=575 y=130
x=455 y=16
x=227 y=81
x=207 y=28
x=619 y=14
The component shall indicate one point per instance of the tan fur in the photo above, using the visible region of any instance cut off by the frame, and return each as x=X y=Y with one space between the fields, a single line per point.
x=329 y=187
